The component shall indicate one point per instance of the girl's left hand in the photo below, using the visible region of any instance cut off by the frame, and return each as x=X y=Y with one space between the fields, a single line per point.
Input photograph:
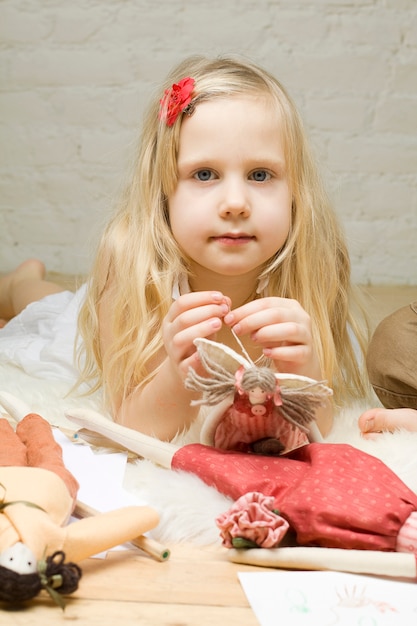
x=283 y=329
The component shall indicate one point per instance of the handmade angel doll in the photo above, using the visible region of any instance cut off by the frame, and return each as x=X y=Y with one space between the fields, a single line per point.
x=318 y=494
x=37 y=497
x=255 y=409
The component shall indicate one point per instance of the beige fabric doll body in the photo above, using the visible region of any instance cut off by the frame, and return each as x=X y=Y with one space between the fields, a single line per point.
x=38 y=495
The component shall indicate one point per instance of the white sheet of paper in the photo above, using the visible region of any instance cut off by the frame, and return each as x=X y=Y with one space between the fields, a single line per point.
x=327 y=598
x=100 y=477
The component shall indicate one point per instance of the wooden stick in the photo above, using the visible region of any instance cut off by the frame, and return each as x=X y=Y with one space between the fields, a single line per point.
x=150 y=546
x=371 y=562
x=160 y=452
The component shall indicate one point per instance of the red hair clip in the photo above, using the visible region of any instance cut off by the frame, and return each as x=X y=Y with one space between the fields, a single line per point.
x=176 y=100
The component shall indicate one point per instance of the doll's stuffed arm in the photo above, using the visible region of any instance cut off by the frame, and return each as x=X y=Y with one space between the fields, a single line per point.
x=89 y=536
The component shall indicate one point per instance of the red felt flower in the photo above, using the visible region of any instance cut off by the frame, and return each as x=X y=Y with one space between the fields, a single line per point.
x=252 y=518
x=175 y=100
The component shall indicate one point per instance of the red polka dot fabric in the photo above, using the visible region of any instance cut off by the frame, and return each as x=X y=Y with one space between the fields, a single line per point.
x=332 y=495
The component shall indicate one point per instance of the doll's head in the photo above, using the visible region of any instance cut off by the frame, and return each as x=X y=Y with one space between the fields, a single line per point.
x=259 y=385
x=261 y=378
x=22 y=577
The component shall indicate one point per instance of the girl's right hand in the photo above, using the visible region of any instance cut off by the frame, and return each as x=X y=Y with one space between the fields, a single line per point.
x=193 y=315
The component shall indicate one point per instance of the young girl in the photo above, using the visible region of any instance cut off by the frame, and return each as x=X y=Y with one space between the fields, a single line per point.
x=225 y=226
x=225 y=230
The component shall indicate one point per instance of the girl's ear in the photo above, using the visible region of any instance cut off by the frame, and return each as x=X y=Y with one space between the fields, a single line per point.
x=19 y=558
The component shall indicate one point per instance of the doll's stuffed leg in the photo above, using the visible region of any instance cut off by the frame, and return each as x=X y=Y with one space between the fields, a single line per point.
x=42 y=449
x=12 y=450
x=407 y=536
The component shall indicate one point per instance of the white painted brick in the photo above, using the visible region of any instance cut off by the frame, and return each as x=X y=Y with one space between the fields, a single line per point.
x=375 y=155
x=18 y=26
x=403 y=73
x=403 y=5
x=75 y=78
x=373 y=198
x=105 y=148
x=397 y=113
x=55 y=67
x=36 y=146
x=365 y=29
x=339 y=73
x=350 y=113
x=15 y=105
x=410 y=36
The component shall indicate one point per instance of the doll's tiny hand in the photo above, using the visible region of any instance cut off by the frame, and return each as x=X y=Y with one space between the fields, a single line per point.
x=283 y=329
x=191 y=316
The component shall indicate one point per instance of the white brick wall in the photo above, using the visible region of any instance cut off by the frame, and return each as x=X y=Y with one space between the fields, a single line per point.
x=75 y=77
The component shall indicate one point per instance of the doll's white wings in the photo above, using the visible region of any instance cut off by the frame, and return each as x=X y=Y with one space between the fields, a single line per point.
x=303 y=398
x=221 y=354
x=231 y=361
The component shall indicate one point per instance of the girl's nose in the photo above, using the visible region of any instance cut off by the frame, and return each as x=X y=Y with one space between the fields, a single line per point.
x=235 y=200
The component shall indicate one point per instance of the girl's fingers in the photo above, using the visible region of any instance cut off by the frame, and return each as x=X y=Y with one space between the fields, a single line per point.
x=283 y=329
x=269 y=328
x=193 y=315
x=282 y=334
x=300 y=353
x=265 y=312
x=182 y=341
x=194 y=301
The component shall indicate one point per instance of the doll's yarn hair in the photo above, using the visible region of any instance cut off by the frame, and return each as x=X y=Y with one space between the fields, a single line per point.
x=16 y=588
x=258 y=377
x=222 y=383
x=298 y=406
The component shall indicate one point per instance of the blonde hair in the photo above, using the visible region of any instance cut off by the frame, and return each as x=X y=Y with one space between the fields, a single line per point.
x=143 y=261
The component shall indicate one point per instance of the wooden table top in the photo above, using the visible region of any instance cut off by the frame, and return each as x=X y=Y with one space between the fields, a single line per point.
x=195 y=587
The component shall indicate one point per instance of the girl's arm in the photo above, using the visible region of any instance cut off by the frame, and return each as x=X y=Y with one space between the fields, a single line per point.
x=162 y=407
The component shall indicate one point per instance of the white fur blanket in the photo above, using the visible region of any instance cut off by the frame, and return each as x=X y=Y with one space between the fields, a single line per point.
x=187 y=506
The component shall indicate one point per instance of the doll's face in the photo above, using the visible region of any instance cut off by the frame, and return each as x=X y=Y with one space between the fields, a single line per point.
x=257 y=396
x=19 y=558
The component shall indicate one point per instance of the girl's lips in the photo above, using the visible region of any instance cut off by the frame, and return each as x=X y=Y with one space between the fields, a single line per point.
x=233 y=240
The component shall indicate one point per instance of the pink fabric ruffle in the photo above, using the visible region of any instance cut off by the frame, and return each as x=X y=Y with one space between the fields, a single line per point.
x=252 y=517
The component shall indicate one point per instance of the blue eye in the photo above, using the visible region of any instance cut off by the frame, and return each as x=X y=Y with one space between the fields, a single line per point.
x=260 y=176
x=204 y=175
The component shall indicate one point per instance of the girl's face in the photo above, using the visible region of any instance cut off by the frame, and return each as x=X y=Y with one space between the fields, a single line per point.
x=231 y=209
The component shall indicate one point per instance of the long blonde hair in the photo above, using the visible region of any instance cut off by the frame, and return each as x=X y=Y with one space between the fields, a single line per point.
x=138 y=260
